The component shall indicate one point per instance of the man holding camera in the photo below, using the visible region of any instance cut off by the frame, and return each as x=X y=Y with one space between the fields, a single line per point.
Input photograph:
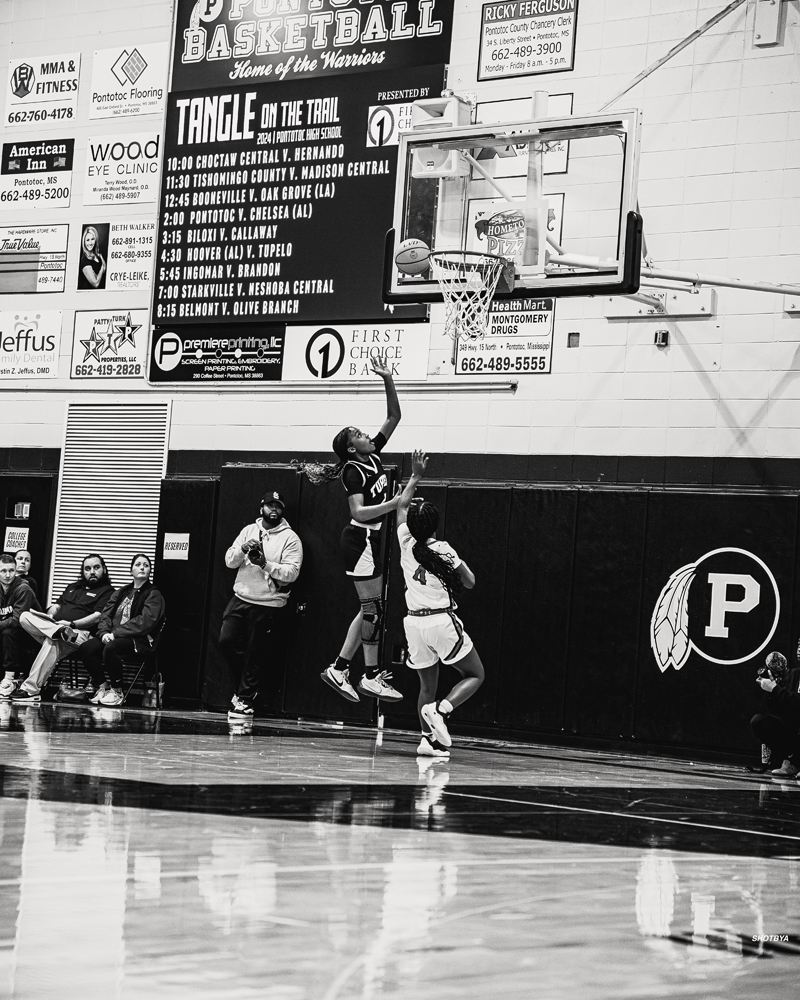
x=268 y=556
x=779 y=726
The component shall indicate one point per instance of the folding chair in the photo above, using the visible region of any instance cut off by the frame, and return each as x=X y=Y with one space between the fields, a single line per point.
x=148 y=658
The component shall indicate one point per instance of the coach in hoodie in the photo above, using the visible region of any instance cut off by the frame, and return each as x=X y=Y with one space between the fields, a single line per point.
x=19 y=649
x=268 y=556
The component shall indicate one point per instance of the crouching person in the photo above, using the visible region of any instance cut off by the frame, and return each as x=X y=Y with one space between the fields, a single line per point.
x=70 y=622
x=130 y=621
x=16 y=597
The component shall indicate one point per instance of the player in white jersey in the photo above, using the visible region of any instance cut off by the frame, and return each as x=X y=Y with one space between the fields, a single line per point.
x=433 y=572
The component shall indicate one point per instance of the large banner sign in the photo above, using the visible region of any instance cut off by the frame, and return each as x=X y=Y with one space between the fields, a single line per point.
x=344 y=353
x=276 y=201
x=223 y=43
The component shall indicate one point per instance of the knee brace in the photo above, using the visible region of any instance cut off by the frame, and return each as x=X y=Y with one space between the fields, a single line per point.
x=371 y=620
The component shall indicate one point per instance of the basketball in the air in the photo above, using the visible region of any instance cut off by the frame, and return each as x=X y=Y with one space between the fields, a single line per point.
x=412 y=257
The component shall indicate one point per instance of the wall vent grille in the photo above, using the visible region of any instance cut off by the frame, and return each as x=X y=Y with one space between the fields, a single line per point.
x=112 y=463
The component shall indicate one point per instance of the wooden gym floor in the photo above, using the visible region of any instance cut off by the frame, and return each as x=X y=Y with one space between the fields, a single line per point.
x=169 y=855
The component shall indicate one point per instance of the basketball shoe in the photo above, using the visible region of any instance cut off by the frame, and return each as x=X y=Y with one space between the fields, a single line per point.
x=429 y=746
x=430 y=713
x=339 y=680
x=240 y=709
x=378 y=687
x=100 y=693
x=8 y=685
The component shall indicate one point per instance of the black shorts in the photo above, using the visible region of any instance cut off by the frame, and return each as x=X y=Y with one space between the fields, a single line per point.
x=361 y=549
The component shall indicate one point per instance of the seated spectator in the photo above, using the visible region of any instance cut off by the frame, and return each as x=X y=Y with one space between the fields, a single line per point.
x=16 y=597
x=128 y=624
x=67 y=625
x=779 y=726
x=23 y=560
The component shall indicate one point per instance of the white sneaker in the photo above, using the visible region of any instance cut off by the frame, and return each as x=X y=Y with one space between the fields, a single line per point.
x=377 y=687
x=101 y=692
x=8 y=686
x=429 y=747
x=430 y=713
x=339 y=680
x=112 y=698
x=786 y=770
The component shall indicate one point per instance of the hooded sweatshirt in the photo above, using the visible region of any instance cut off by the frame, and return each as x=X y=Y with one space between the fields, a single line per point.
x=266 y=585
x=18 y=598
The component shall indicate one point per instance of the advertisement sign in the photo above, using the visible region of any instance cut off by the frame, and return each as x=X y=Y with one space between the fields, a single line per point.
x=29 y=344
x=36 y=174
x=131 y=246
x=342 y=353
x=109 y=343
x=223 y=43
x=129 y=81
x=122 y=169
x=262 y=206
x=16 y=539
x=527 y=37
x=33 y=259
x=519 y=340
x=42 y=89
x=247 y=353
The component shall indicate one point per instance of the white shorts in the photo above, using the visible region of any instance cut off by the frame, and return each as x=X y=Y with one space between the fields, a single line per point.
x=441 y=638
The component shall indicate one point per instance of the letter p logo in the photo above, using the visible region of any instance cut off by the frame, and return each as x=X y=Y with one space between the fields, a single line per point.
x=168 y=351
x=721 y=604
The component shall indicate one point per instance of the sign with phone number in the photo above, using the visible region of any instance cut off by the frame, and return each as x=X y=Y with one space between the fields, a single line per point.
x=519 y=340
x=36 y=174
x=527 y=37
x=109 y=343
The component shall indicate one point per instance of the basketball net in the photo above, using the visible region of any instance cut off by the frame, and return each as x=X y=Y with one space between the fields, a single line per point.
x=468 y=281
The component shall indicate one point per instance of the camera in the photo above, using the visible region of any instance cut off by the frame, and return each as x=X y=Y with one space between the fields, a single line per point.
x=775 y=669
x=253 y=551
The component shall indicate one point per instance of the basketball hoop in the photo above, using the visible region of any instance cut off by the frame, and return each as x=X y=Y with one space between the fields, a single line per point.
x=468 y=281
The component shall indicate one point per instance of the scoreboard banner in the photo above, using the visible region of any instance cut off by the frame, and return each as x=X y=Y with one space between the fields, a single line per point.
x=276 y=200
x=225 y=43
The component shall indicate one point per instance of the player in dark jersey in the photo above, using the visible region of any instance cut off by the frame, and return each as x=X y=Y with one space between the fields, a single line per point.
x=367 y=489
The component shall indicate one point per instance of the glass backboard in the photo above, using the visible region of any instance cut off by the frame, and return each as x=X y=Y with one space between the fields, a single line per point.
x=556 y=196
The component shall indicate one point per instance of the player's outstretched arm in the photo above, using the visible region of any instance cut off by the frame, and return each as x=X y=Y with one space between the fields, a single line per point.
x=419 y=463
x=393 y=414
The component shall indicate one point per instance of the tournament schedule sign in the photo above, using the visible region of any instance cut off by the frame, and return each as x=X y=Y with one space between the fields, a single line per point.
x=526 y=37
x=276 y=200
x=224 y=43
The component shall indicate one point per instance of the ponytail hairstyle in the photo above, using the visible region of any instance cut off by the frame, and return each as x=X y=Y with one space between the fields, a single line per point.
x=422 y=520
x=320 y=472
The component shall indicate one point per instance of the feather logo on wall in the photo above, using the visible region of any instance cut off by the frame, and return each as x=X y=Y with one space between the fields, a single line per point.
x=669 y=626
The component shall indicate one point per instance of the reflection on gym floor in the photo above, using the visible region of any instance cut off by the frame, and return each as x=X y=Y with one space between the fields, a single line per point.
x=164 y=854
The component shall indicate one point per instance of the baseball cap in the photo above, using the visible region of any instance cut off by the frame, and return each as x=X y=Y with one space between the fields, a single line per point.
x=273 y=496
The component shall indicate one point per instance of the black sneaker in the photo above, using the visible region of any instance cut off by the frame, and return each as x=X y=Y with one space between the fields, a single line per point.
x=25 y=697
x=240 y=709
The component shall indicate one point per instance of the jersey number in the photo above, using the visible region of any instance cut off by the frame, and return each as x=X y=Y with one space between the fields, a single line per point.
x=420 y=577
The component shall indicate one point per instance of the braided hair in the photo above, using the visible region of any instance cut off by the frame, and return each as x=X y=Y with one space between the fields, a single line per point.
x=422 y=521
x=321 y=472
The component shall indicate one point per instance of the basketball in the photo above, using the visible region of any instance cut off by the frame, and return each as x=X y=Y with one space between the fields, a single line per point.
x=412 y=257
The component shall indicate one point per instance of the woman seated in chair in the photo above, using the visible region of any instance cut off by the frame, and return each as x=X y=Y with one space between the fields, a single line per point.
x=128 y=626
